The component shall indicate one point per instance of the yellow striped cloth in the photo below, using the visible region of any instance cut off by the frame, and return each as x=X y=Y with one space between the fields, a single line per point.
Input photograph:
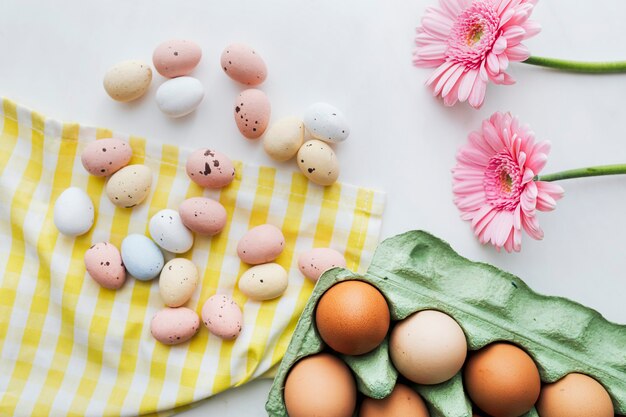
x=69 y=347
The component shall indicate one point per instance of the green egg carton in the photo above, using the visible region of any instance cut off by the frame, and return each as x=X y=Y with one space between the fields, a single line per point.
x=417 y=271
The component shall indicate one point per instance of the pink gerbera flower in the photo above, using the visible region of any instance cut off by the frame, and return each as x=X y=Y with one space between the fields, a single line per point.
x=471 y=42
x=495 y=186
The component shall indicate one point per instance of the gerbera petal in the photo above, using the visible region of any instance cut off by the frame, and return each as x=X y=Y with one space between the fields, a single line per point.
x=467 y=82
x=477 y=96
x=518 y=53
x=531 y=226
x=532 y=28
x=493 y=65
x=452 y=81
x=514 y=35
x=553 y=190
x=500 y=45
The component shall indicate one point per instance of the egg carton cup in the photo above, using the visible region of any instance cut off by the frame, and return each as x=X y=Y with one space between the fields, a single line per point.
x=416 y=271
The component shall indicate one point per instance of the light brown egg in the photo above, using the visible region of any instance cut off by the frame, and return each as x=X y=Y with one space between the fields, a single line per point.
x=352 y=317
x=402 y=402
x=502 y=380
x=575 y=395
x=320 y=385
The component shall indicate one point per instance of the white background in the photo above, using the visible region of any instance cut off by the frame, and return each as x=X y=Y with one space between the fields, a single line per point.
x=357 y=56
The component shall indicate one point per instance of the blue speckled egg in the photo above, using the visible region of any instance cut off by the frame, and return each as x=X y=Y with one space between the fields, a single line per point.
x=142 y=257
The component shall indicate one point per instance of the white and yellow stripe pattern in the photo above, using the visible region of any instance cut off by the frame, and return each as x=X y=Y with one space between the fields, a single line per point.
x=69 y=347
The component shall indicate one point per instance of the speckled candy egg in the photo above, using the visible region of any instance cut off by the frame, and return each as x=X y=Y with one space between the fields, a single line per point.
x=264 y=282
x=172 y=326
x=252 y=113
x=243 y=64
x=127 y=80
x=142 y=257
x=176 y=57
x=129 y=186
x=318 y=162
x=203 y=215
x=315 y=262
x=283 y=139
x=261 y=244
x=222 y=316
x=210 y=169
x=179 y=96
x=178 y=281
x=326 y=123
x=73 y=212
x=104 y=264
x=169 y=232
x=106 y=156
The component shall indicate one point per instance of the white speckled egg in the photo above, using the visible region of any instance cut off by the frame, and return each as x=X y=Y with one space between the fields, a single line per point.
x=252 y=113
x=326 y=123
x=210 y=169
x=283 y=139
x=104 y=157
x=264 y=282
x=129 y=186
x=315 y=262
x=261 y=244
x=243 y=64
x=179 y=96
x=169 y=232
x=73 y=212
x=128 y=80
x=142 y=257
x=172 y=326
x=178 y=281
x=104 y=264
x=318 y=162
x=222 y=316
x=203 y=215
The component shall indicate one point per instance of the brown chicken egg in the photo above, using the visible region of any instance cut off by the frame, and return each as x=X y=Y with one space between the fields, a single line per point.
x=575 y=395
x=402 y=402
x=352 y=317
x=502 y=380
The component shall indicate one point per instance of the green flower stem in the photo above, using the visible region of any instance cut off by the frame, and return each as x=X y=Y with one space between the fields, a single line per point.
x=577 y=66
x=584 y=172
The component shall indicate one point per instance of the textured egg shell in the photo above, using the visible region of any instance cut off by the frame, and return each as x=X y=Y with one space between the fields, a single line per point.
x=502 y=380
x=104 y=264
x=127 y=80
x=179 y=96
x=315 y=262
x=284 y=138
x=178 y=281
x=352 y=317
x=106 y=156
x=243 y=64
x=203 y=215
x=252 y=113
x=318 y=162
x=210 y=169
x=327 y=123
x=320 y=385
x=428 y=347
x=73 y=212
x=222 y=316
x=402 y=402
x=575 y=395
x=172 y=326
x=142 y=257
x=169 y=232
x=261 y=244
x=176 y=57
x=129 y=186
x=264 y=282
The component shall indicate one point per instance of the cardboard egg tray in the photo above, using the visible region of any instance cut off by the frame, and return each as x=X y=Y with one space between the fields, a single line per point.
x=417 y=271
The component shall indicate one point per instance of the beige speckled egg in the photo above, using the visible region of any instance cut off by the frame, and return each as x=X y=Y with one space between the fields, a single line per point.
x=264 y=282
x=210 y=169
x=129 y=186
x=128 y=80
x=261 y=244
x=243 y=64
x=222 y=316
x=172 y=326
x=176 y=57
x=252 y=113
x=178 y=281
x=315 y=262
x=103 y=262
x=283 y=139
x=318 y=162
x=203 y=215
x=104 y=157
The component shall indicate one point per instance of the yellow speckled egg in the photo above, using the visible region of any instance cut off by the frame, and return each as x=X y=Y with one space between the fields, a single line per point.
x=129 y=186
x=128 y=80
x=318 y=162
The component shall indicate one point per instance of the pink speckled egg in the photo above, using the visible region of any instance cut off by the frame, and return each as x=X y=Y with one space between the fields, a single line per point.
x=315 y=262
x=203 y=215
x=210 y=169
x=222 y=316
x=106 y=156
x=176 y=57
x=172 y=326
x=252 y=113
x=103 y=262
x=261 y=244
x=243 y=64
